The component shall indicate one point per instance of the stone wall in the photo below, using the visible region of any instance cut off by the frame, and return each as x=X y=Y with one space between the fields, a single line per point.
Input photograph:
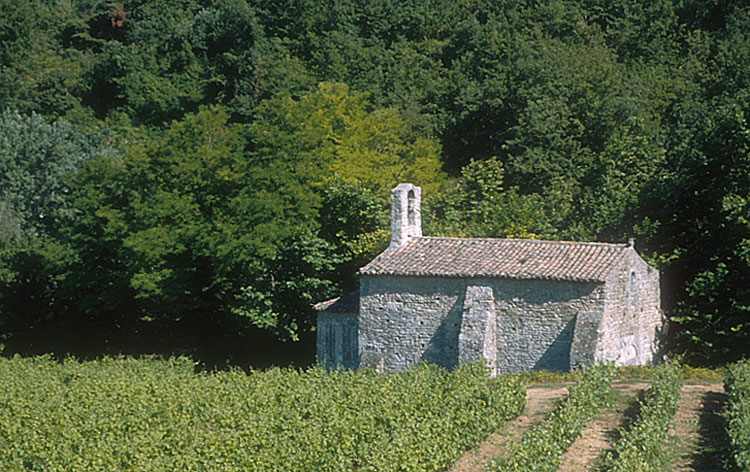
x=407 y=319
x=537 y=320
x=633 y=321
x=337 y=340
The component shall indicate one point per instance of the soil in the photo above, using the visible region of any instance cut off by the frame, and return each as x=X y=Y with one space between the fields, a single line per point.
x=697 y=442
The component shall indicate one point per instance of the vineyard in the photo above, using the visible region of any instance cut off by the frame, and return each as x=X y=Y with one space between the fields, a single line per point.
x=158 y=415
x=154 y=415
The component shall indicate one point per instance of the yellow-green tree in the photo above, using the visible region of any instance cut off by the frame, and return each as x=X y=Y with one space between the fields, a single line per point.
x=334 y=131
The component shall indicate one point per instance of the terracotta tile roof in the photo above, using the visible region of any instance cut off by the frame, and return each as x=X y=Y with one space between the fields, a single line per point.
x=348 y=303
x=500 y=258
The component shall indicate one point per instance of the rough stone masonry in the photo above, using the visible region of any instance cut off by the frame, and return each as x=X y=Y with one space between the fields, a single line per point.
x=517 y=304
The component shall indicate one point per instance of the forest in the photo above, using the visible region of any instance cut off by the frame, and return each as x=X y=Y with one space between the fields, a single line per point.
x=191 y=176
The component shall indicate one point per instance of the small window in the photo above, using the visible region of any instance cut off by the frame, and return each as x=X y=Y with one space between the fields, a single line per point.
x=633 y=290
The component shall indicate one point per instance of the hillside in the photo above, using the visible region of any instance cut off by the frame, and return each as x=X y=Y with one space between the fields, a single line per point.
x=191 y=176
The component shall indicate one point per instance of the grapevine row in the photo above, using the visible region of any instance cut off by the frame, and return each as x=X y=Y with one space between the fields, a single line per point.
x=737 y=386
x=540 y=449
x=641 y=447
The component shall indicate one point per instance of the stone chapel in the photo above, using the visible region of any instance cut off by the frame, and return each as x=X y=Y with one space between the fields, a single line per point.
x=519 y=304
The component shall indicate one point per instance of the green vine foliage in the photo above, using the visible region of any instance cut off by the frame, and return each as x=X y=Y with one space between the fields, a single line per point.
x=540 y=449
x=640 y=447
x=125 y=414
x=737 y=386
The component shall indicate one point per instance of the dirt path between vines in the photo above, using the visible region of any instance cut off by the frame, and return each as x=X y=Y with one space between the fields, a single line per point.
x=540 y=400
x=602 y=432
x=697 y=440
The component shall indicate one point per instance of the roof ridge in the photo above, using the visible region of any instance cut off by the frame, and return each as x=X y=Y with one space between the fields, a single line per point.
x=535 y=241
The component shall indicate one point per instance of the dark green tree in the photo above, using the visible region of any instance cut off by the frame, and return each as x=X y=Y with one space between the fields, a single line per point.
x=310 y=267
x=479 y=205
x=703 y=214
x=45 y=57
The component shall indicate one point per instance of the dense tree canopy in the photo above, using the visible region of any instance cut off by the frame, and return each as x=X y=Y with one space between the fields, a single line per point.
x=195 y=174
